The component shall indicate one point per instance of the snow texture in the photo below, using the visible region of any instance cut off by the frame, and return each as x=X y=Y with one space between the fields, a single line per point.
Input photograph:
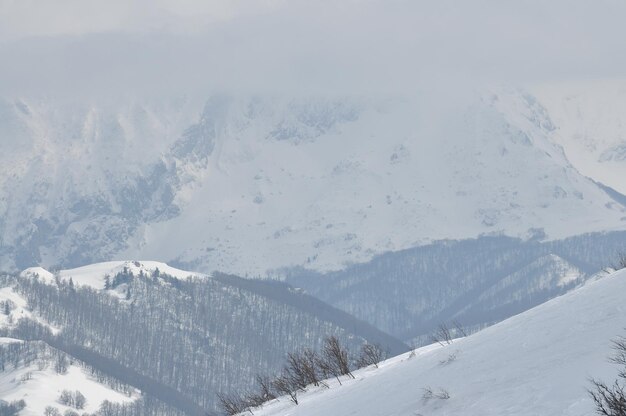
x=40 y=388
x=536 y=363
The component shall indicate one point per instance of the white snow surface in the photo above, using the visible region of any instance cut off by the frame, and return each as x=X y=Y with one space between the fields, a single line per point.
x=40 y=388
x=39 y=273
x=18 y=310
x=536 y=363
x=93 y=275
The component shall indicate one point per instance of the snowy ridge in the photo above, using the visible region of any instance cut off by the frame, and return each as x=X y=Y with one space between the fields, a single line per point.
x=535 y=363
x=94 y=275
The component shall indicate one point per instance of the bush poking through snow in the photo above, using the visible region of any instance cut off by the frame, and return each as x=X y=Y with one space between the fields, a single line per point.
x=610 y=400
x=621 y=262
x=451 y=358
x=428 y=393
x=618 y=265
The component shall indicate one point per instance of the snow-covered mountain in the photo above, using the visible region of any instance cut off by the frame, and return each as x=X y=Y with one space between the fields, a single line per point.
x=592 y=130
x=248 y=184
x=537 y=363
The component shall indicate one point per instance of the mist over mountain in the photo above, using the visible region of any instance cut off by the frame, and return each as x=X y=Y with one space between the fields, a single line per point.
x=251 y=184
x=225 y=206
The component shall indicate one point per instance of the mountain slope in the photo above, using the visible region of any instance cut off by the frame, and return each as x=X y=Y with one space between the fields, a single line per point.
x=248 y=184
x=35 y=376
x=181 y=338
x=478 y=282
x=591 y=128
x=536 y=363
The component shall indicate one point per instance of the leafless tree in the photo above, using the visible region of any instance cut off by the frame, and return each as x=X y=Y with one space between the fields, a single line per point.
x=283 y=385
x=264 y=384
x=231 y=404
x=302 y=368
x=335 y=360
x=610 y=400
x=371 y=354
x=442 y=335
x=413 y=348
x=618 y=265
x=459 y=328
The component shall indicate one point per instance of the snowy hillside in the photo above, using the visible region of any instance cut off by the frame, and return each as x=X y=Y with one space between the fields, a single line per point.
x=476 y=282
x=592 y=129
x=536 y=363
x=179 y=337
x=42 y=375
x=248 y=184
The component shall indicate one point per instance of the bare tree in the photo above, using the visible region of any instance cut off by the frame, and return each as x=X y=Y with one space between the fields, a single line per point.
x=335 y=360
x=79 y=400
x=442 y=394
x=621 y=262
x=283 y=385
x=231 y=404
x=610 y=400
x=264 y=394
x=371 y=354
x=66 y=398
x=442 y=335
x=302 y=368
x=459 y=328
x=51 y=411
x=451 y=358
x=618 y=265
x=413 y=348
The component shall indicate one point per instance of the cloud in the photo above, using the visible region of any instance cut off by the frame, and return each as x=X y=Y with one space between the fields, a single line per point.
x=318 y=46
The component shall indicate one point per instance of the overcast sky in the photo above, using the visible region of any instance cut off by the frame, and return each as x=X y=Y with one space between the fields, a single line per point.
x=353 y=46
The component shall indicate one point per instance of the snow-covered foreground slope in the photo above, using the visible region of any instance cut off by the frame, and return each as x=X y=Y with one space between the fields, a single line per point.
x=250 y=184
x=536 y=363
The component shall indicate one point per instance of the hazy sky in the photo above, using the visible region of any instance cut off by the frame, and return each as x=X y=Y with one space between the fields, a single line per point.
x=318 y=45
